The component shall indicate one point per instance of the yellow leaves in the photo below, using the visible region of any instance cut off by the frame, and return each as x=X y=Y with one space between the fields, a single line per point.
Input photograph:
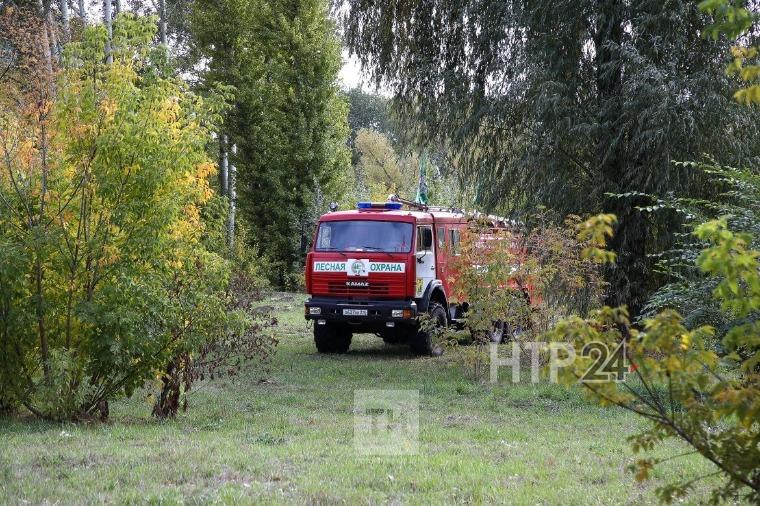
x=193 y=215
x=685 y=341
x=170 y=110
x=749 y=94
x=188 y=227
x=643 y=467
x=673 y=363
x=743 y=52
x=175 y=264
x=27 y=153
x=69 y=171
x=110 y=255
x=108 y=107
x=594 y=232
x=205 y=170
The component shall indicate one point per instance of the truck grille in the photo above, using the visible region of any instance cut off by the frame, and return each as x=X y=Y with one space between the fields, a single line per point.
x=381 y=286
x=340 y=288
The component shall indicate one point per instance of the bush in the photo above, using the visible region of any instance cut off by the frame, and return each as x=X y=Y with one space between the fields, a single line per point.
x=689 y=290
x=105 y=275
x=685 y=390
x=525 y=278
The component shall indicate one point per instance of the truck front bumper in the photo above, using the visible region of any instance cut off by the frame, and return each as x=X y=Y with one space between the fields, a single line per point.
x=364 y=313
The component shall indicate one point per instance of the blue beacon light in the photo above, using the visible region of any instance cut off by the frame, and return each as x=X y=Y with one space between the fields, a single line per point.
x=379 y=205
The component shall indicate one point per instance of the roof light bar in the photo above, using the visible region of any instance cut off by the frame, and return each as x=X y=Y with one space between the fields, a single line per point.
x=379 y=205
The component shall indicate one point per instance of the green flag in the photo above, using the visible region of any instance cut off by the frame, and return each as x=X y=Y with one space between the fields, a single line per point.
x=422 y=188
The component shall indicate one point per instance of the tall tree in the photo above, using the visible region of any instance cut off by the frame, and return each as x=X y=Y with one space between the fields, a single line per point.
x=162 y=22
x=369 y=111
x=288 y=119
x=103 y=278
x=562 y=103
x=65 y=26
x=108 y=22
x=380 y=170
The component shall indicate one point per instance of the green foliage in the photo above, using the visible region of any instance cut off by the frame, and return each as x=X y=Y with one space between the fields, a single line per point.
x=735 y=193
x=561 y=102
x=372 y=112
x=491 y=274
x=105 y=277
x=526 y=279
x=288 y=118
x=677 y=382
x=380 y=171
x=733 y=20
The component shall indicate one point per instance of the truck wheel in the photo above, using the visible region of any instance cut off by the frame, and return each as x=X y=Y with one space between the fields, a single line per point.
x=332 y=338
x=422 y=342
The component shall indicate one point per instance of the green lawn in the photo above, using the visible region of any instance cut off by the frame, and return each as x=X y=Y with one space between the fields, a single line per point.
x=290 y=439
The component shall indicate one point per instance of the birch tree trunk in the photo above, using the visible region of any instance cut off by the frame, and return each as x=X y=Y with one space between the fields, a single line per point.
x=82 y=12
x=46 y=91
x=44 y=39
x=117 y=7
x=233 y=202
x=55 y=45
x=65 y=20
x=223 y=165
x=109 y=29
x=162 y=22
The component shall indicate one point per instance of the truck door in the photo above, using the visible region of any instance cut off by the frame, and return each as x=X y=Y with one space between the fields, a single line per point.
x=441 y=257
x=425 y=258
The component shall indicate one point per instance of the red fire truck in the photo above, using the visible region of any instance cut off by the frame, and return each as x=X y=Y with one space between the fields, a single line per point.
x=377 y=268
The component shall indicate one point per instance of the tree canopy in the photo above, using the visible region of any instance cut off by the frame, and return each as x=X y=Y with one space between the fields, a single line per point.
x=563 y=103
x=288 y=119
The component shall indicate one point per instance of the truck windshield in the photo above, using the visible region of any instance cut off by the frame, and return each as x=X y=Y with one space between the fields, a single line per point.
x=364 y=235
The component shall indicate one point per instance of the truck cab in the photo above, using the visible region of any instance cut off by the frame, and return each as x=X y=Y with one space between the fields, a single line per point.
x=376 y=269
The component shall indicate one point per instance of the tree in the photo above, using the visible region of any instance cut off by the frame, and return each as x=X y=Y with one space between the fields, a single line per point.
x=380 y=170
x=676 y=382
x=288 y=118
x=734 y=20
x=562 y=103
x=369 y=111
x=681 y=385
x=104 y=278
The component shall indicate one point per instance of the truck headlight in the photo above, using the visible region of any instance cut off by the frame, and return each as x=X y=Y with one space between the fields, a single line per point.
x=397 y=313
x=315 y=310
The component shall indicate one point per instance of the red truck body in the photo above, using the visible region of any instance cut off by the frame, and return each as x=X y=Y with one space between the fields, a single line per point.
x=378 y=268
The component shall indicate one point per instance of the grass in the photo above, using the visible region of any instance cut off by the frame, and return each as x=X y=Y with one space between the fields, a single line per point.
x=289 y=438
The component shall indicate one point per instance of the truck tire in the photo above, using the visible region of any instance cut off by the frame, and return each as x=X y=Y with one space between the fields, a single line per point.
x=332 y=338
x=421 y=343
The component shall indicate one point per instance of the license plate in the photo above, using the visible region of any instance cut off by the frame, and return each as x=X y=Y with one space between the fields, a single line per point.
x=354 y=312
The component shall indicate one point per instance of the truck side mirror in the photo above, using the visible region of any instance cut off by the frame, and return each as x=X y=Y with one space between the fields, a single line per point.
x=427 y=239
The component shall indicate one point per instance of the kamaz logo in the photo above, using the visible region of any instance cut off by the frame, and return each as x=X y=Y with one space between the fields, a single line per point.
x=357 y=284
